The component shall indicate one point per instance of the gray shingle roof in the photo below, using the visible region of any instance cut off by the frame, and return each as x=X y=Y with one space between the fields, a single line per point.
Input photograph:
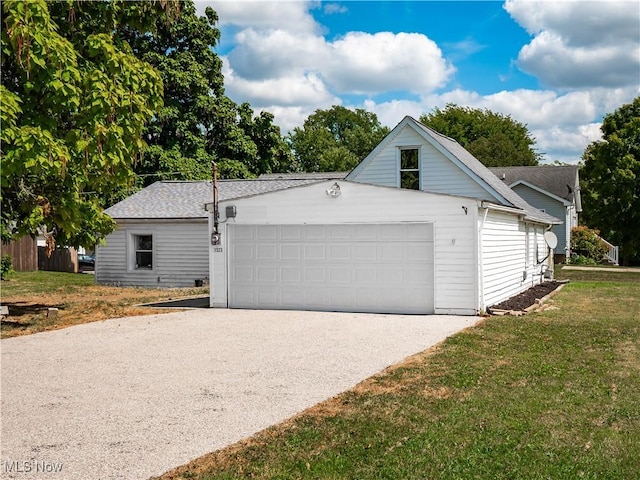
x=187 y=199
x=304 y=176
x=560 y=180
x=473 y=164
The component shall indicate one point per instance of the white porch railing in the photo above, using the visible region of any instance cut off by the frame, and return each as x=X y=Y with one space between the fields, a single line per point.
x=612 y=254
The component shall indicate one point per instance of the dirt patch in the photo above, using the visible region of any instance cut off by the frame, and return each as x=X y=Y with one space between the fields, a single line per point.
x=77 y=305
x=528 y=298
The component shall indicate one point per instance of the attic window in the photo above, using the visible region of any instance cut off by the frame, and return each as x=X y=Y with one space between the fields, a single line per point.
x=410 y=168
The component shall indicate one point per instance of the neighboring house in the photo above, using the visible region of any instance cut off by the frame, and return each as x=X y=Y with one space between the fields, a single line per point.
x=554 y=189
x=162 y=235
x=454 y=240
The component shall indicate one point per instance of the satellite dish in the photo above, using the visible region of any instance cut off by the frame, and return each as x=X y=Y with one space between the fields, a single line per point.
x=551 y=239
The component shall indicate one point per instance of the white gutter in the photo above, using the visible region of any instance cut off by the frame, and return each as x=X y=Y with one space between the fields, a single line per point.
x=481 y=305
x=502 y=208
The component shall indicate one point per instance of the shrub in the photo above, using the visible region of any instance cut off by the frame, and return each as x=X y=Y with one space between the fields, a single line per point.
x=6 y=266
x=582 y=260
x=586 y=245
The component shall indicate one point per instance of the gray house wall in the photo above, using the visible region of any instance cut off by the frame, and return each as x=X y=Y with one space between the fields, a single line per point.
x=180 y=254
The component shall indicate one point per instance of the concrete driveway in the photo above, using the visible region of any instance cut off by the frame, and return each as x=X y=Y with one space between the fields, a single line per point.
x=132 y=398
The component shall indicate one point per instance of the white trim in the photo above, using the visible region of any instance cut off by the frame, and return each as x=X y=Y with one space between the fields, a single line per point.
x=399 y=169
x=131 y=250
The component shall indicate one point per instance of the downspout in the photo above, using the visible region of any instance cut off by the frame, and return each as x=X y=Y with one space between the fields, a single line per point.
x=481 y=306
x=216 y=213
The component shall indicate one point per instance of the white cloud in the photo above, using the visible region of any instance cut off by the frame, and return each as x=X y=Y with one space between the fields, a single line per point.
x=279 y=61
x=373 y=63
x=358 y=63
x=287 y=15
x=563 y=125
x=580 y=43
x=286 y=91
x=276 y=53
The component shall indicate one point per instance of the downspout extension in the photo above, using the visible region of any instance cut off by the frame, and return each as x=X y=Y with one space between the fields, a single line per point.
x=482 y=306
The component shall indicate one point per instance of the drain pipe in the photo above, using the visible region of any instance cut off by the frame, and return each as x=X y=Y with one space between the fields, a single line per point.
x=482 y=306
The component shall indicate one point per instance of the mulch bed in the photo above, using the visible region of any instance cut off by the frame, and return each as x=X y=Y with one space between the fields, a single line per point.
x=526 y=299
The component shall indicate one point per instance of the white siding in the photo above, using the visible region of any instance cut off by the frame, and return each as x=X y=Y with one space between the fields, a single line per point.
x=437 y=172
x=180 y=254
x=550 y=206
x=455 y=261
x=508 y=266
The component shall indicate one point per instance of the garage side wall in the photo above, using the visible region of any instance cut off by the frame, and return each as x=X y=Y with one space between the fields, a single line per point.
x=454 y=230
x=179 y=252
x=512 y=256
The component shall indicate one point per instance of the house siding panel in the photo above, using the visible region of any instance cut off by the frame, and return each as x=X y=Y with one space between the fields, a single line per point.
x=438 y=173
x=508 y=266
x=180 y=253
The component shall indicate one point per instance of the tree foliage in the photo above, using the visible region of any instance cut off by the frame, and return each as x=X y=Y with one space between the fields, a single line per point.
x=74 y=104
x=336 y=139
x=494 y=139
x=587 y=246
x=199 y=124
x=610 y=178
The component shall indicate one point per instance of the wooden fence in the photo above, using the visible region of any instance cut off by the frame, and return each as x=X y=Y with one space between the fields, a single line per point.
x=61 y=260
x=24 y=254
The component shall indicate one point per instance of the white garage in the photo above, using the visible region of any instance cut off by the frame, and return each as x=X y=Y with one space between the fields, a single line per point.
x=369 y=249
x=381 y=267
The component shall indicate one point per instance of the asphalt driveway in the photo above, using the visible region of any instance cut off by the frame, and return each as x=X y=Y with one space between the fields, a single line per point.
x=132 y=398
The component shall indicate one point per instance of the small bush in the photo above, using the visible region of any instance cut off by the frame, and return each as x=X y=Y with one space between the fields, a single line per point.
x=6 y=266
x=582 y=260
x=586 y=245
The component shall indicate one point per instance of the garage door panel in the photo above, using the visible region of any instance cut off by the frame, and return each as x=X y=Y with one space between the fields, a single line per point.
x=290 y=274
x=390 y=253
x=314 y=252
x=340 y=252
x=315 y=274
x=267 y=252
x=243 y=232
x=367 y=268
x=291 y=232
x=366 y=252
x=267 y=274
x=268 y=298
x=340 y=275
x=314 y=232
x=242 y=252
x=267 y=232
x=241 y=274
x=290 y=251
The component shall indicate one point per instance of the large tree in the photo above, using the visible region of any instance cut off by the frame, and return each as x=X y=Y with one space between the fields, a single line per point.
x=496 y=140
x=610 y=178
x=74 y=106
x=199 y=124
x=336 y=139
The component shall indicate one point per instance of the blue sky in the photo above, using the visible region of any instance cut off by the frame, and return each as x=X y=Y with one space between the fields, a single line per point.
x=556 y=66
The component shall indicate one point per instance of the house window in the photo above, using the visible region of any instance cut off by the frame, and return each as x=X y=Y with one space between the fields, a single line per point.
x=410 y=168
x=143 y=250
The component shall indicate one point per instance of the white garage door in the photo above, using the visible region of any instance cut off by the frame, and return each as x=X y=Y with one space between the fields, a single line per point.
x=380 y=268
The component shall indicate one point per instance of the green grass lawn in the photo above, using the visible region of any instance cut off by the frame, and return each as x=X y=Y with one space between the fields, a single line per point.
x=550 y=395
